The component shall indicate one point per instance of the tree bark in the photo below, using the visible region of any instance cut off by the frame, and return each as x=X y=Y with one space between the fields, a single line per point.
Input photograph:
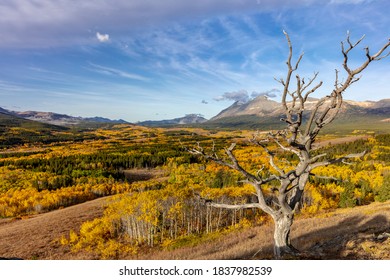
x=282 y=245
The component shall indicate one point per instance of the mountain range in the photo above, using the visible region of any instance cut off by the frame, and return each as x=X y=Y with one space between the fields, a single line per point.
x=58 y=119
x=262 y=106
x=258 y=113
x=187 y=119
x=266 y=113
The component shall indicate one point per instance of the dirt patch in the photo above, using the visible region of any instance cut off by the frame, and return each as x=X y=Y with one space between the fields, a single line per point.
x=336 y=141
x=35 y=237
x=142 y=174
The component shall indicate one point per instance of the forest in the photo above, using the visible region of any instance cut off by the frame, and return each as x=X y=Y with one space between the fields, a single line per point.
x=169 y=210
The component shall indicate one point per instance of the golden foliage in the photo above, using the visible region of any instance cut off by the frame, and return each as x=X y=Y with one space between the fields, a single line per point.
x=170 y=209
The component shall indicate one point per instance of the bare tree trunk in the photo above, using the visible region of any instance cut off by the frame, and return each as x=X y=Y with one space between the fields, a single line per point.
x=282 y=243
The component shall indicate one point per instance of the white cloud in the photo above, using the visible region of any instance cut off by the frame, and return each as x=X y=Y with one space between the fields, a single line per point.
x=243 y=96
x=102 y=37
x=269 y=93
x=240 y=96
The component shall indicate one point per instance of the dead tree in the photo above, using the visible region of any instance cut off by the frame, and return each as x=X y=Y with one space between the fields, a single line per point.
x=303 y=124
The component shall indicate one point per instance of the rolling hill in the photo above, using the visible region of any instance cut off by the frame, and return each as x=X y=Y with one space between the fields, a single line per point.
x=8 y=120
x=15 y=130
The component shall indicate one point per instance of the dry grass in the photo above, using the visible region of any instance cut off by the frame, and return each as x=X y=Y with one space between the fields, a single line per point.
x=357 y=233
x=331 y=237
x=36 y=237
x=143 y=174
x=340 y=140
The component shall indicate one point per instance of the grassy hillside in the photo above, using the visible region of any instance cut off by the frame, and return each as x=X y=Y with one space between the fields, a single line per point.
x=8 y=121
x=18 y=131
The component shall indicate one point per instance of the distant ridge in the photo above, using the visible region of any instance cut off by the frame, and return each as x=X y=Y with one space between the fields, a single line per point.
x=105 y=120
x=9 y=120
x=59 y=119
x=260 y=106
x=258 y=113
x=187 y=119
x=264 y=113
x=4 y=111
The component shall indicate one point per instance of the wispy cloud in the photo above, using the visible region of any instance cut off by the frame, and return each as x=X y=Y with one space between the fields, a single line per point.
x=207 y=52
x=349 y=1
x=116 y=72
x=26 y=24
x=243 y=96
x=272 y=93
x=237 y=96
x=7 y=87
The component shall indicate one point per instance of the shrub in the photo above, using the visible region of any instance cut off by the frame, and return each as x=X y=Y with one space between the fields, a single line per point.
x=347 y=197
x=383 y=193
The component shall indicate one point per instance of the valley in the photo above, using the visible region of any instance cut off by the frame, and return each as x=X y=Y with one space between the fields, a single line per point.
x=130 y=192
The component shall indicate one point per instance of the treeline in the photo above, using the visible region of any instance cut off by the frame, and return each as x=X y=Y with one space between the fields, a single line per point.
x=71 y=169
x=10 y=140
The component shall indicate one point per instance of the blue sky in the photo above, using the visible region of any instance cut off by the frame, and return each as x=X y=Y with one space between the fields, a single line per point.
x=151 y=60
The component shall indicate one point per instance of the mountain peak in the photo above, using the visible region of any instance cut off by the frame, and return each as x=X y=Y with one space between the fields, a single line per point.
x=4 y=111
x=267 y=112
x=260 y=106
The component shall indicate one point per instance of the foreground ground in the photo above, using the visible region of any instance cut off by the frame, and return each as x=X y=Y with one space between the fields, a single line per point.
x=358 y=233
x=36 y=237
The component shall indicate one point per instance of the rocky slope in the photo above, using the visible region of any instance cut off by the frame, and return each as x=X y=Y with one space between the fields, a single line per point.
x=262 y=106
x=266 y=113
